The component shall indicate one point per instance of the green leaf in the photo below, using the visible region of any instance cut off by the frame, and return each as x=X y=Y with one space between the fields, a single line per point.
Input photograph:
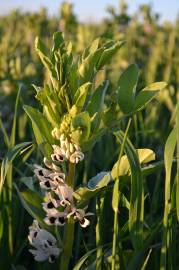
x=95 y=106
x=42 y=128
x=139 y=256
x=94 y=46
x=97 y=99
x=177 y=177
x=13 y=131
x=82 y=95
x=87 y=66
x=32 y=202
x=73 y=80
x=83 y=259
x=4 y=132
x=95 y=185
x=43 y=54
x=8 y=159
x=58 y=41
x=144 y=155
x=136 y=211
x=28 y=182
x=146 y=260
x=124 y=201
x=80 y=127
x=116 y=196
x=127 y=87
x=168 y=159
x=108 y=53
x=91 y=49
x=147 y=94
x=94 y=139
x=50 y=100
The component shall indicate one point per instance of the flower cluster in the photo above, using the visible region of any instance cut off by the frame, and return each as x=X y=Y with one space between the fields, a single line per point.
x=67 y=150
x=44 y=242
x=59 y=203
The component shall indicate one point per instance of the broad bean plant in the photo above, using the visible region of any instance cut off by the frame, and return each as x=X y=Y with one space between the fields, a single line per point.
x=74 y=116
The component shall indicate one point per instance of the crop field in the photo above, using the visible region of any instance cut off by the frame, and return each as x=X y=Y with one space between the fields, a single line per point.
x=89 y=141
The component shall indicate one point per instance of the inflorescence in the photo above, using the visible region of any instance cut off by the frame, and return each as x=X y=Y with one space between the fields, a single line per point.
x=59 y=203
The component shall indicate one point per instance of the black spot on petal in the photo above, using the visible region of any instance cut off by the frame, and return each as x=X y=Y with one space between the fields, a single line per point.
x=61 y=220
x=61 y=158
x=55 y=157
x=47 y=184
x=82 y=221
x=50 y=205
x=52 y=220
x=49 y=242
x=58 y=179
x=52 y=258
x=41 y=173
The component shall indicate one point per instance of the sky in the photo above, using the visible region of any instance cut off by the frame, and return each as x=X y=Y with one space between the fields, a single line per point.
x=92 y=9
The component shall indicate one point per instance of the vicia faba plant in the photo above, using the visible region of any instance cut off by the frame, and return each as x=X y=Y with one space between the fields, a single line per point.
x=74 y=116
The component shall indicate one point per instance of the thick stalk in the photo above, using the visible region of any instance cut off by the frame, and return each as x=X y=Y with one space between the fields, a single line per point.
x=71 y=175
x=68 y=237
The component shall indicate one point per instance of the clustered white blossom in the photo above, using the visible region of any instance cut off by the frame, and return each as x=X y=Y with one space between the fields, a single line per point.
x=59 y=203
x=67 y=150
x=44 y=244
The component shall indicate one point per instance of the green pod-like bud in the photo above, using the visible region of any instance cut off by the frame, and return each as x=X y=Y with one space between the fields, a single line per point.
x=65 y=124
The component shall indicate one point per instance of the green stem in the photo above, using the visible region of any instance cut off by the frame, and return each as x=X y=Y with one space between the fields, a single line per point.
x=99 y=232
x=71 y=175
x=68 y=237
x=115 y=234
x=10 y=225
x=116 y=197
x=67 y=244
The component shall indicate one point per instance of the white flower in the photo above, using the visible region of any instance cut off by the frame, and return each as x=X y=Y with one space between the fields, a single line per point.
x=49 y=180
x=76 y=157
x=51 y=205
x=57 y=177
x=59 y=154
x=80 y=215
x=49 y=254
x=44 y=242
x=38 y=235
x=58 y=209
x=65 y=194
x=56 y=219
x=41 y=173
x=51 y=165
x=44 y=176
x=33 y=230
x=40 y=238
x=67 y=151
